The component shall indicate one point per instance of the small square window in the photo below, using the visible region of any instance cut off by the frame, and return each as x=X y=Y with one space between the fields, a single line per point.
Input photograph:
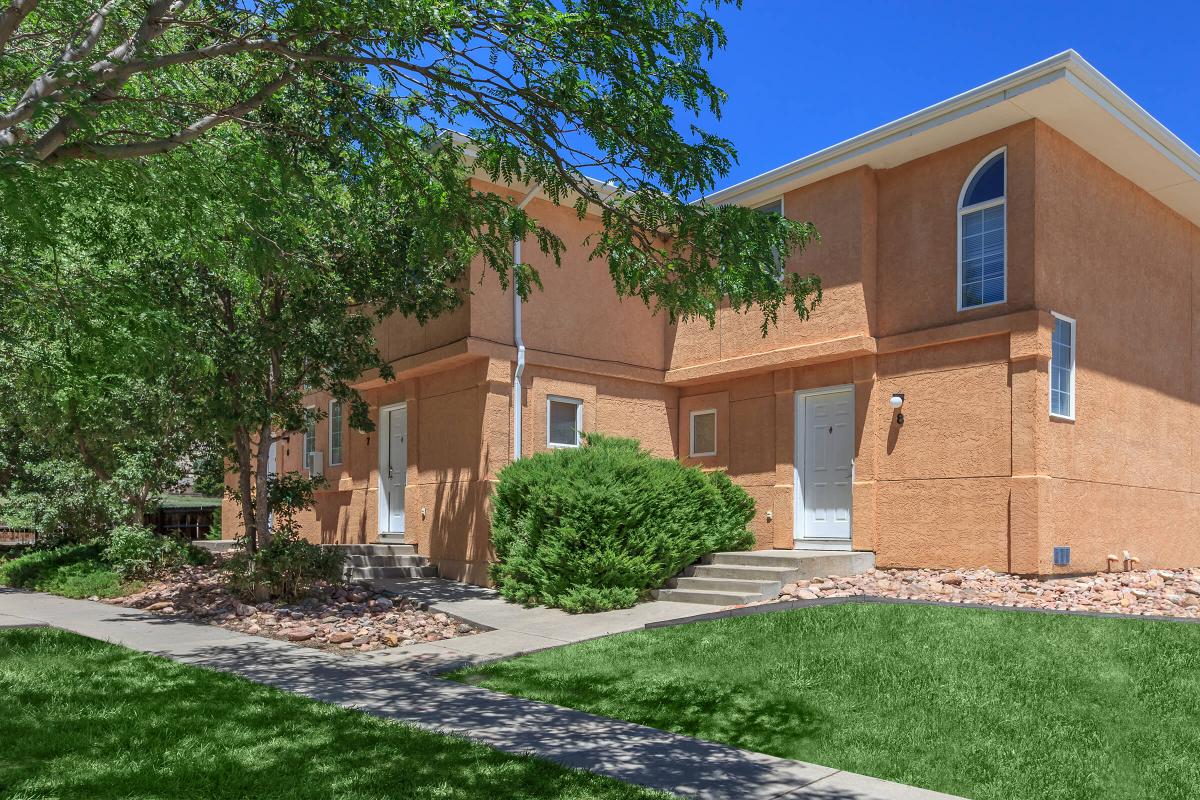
x=564 y=420
x=703 y=433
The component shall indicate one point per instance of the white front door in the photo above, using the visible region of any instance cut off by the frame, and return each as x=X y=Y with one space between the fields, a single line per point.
x=824 y=471
x=393 y=467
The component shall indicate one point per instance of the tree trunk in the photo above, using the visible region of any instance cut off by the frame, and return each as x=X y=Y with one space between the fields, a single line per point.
x=241 y=442
x=138 y=502
x=262 y=492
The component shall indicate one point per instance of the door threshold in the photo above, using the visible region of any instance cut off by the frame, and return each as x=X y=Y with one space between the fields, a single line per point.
x=822 y=544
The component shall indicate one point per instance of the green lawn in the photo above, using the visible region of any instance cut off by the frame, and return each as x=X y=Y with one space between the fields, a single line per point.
x=985 y=704
x=84 y=719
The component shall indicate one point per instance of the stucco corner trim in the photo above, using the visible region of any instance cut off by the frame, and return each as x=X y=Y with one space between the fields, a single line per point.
x=799 y=355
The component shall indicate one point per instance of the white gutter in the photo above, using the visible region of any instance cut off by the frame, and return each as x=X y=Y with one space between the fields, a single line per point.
x=517 y=338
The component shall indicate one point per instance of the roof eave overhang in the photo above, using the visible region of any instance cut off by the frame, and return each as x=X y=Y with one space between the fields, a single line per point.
x=1064 y=91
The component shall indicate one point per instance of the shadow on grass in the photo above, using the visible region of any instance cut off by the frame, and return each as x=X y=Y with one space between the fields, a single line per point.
x=90 y=720
x=991 y=704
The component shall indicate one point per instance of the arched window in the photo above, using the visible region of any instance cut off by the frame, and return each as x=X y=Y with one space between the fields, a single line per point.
x=981 y=256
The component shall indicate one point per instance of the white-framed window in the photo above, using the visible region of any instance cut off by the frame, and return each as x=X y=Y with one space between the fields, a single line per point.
x=310 y=438
x=335 y=432
x=564 y=421
x=1062 y=368
x=982 y=260
x=774 y=207
x=702 y=433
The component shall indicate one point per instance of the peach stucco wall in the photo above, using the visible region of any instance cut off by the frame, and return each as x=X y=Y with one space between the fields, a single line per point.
x=459 y=438
x=576 y=312
x=979 y=474
x=843 y=210
x=918 y=233
x=1123 y=473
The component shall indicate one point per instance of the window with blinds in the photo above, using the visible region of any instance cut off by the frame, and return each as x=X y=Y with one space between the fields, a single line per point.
x=981 y=218
x=1062 y=368
x=335 y=432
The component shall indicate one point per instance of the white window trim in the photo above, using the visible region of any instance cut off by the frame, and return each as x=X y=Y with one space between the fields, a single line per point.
x=1070 y=415
x=554 y=398
x=777 y=199
x=781 y=261
x=692 y=432
x=332 y=403
x=305 y=452
x=1002 y=200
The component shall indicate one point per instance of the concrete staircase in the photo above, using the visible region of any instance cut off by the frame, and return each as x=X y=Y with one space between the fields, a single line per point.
x=365 y=562
x=737 y=578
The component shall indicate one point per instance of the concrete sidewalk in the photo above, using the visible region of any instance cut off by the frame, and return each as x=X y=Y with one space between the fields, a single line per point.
x=515 y=630
x=620 y=750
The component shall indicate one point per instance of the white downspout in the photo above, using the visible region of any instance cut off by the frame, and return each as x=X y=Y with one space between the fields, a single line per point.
x=517 y=338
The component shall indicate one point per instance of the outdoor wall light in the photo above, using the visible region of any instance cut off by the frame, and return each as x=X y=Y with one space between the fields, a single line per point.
x=897 y=401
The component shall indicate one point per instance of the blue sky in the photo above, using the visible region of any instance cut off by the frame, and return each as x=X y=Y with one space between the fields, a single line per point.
x=804 y=75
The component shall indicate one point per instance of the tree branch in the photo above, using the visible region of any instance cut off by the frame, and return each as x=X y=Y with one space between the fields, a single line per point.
x=153 y=24
x=11 y=18
x=54 y=78
x=102 y=152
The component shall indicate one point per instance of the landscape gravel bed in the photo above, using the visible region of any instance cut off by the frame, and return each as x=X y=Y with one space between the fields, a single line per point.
x=345 y=617
x=1172 y=593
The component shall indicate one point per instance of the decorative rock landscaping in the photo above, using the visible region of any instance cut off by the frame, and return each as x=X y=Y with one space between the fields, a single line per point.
x=349 y=617
x=1173 y=593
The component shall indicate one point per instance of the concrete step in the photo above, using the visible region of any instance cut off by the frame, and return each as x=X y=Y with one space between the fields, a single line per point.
x=375 y=573
x=704 y=597
x=761 y=589
x=736 y=578
x=739 y=572
x=378 y=549
x=366 y=560
x=804 y=564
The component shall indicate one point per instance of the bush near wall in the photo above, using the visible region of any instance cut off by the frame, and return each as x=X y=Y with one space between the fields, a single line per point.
x=597 y=527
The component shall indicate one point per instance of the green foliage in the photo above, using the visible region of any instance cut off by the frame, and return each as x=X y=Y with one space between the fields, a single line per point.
x=214 y=532
x=100 y=380
x=71 y=571
x=597 y=527
x=61 y=499
x=104 y=568
x=184 y=733
x=290 y=493
x=135 y=551
x=287 y=568
x=987 y=704
x=579 y=98
x=168 y=281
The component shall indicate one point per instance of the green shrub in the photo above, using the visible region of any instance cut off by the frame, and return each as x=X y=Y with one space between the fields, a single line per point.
x=135 y=551
x=70 y=571
x=65 y=503
x=288 y=568
x=597 y=527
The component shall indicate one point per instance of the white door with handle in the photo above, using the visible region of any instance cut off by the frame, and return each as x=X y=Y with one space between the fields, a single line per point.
x=824 y=472
x=393 y=467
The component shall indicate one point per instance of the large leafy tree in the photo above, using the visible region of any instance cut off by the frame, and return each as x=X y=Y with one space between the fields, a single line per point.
x=291 y=165
x=99 y=379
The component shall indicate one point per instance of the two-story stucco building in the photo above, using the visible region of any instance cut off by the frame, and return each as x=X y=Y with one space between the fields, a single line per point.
x=1016 y=267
